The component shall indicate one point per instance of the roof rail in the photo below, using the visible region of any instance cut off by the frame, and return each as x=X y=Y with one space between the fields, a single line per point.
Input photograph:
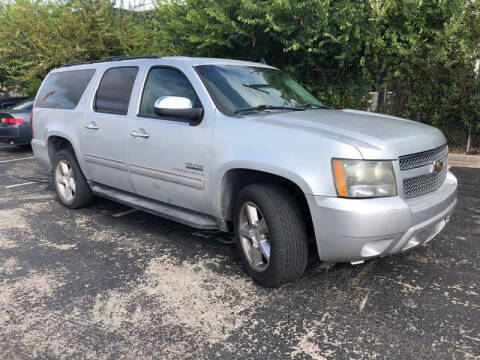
x=110 y=58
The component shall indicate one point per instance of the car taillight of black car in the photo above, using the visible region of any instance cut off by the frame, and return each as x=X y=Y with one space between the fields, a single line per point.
x=10 y=120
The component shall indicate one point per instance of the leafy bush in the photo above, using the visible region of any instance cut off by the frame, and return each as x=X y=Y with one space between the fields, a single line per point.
x=420 y=52
x=41 y=35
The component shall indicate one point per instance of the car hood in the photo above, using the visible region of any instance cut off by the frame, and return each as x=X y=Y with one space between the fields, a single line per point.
x=376 y=136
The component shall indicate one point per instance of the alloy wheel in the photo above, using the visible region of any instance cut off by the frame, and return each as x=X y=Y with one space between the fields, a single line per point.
x=65 y=181
x=254 y=238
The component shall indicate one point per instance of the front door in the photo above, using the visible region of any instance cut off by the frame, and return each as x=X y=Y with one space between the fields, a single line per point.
x=168 y=157
x=106 y=129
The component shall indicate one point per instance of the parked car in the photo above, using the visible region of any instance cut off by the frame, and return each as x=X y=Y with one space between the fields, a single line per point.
x=15 y=123
x=240 y=146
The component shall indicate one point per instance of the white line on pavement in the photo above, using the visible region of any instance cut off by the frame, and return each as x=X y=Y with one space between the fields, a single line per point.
x=25 y=158
x=17 y=185
x=124 y=213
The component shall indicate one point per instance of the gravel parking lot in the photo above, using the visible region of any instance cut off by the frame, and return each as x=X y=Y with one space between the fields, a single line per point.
x=105 y=282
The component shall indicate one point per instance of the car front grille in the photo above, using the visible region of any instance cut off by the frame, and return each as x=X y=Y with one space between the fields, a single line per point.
x=423 y=184
x=419 y=185
x=423 y=158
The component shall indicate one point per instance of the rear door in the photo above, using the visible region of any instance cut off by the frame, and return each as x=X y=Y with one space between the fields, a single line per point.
x=106 y=128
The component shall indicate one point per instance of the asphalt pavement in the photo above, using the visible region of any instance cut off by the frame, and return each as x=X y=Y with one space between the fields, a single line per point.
x=107 y=282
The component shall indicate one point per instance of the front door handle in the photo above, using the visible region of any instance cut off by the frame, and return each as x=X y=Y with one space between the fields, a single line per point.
x=140 y=133
x=92 y=125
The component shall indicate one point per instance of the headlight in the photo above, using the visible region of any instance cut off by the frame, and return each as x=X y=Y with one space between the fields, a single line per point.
x=363 y=178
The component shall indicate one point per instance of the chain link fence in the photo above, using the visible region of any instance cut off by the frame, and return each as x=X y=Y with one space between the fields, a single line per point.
x=461 y=140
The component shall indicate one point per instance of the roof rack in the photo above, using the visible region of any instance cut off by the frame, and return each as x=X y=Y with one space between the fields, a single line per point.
x=110 y=58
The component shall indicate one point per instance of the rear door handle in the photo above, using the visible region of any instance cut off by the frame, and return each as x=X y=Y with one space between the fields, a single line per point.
x=92 y=125
x=140 y=133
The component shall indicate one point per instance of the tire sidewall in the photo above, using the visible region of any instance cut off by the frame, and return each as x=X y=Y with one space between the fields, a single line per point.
x=82 y=192
x=278 y=257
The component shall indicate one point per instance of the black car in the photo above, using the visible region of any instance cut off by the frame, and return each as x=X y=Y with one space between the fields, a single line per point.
x=15 y=123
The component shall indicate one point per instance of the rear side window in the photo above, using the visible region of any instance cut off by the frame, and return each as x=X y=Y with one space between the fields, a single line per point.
x=63 y=90
x=115 y=89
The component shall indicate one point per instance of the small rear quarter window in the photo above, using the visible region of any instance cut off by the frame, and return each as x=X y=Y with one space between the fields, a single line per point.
x=63 y=90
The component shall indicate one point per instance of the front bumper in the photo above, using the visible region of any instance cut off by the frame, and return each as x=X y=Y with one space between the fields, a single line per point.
x=359 y=229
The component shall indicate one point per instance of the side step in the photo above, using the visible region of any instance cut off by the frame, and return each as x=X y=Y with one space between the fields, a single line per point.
x=171 y=212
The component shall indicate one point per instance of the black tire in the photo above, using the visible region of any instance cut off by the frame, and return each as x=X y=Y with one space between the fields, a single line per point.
x=83 y=195
x=287 y=233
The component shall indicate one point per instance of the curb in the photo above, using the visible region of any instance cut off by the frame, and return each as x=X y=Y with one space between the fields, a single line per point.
x=472 y=161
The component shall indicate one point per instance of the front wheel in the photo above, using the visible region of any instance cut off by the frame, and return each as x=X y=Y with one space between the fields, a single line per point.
x=271 y=234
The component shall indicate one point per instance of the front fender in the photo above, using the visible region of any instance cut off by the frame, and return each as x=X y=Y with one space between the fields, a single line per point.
x=298 y=154
x=267 y=168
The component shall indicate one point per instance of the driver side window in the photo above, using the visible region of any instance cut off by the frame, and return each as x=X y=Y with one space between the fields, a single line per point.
x=165 y=82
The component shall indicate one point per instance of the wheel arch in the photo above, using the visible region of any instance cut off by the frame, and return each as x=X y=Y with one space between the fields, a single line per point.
x=59 y=141
x=56 y=143
x=235 y=178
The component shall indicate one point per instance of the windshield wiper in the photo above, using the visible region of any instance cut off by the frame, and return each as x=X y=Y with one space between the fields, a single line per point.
x=268 y=107
x=258 y=87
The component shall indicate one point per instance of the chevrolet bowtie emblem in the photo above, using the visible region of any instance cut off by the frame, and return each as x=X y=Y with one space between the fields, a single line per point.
x=437 y=166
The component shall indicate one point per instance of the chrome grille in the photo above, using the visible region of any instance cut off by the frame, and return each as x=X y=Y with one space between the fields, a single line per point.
x=423 y=184
x=423 y=158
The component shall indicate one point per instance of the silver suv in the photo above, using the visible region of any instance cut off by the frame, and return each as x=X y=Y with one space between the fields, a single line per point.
x=234 y=145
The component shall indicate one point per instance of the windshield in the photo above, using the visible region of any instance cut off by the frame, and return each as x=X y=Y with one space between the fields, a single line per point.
x=26 y=105
x=238 y=89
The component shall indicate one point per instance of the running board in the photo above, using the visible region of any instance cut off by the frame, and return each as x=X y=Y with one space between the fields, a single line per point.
x=171 y=212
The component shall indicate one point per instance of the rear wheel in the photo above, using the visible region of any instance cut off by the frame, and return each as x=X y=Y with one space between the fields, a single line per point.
x=70 y=185
x=271 y=234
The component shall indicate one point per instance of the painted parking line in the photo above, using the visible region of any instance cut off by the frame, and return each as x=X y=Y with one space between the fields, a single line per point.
x=10 y=160
x=17 y=185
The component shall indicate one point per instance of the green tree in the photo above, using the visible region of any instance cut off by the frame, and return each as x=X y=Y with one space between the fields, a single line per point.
x=424 y=54
x=421 y=52
x=319 y=41
x=41 y=35
x=418 y=54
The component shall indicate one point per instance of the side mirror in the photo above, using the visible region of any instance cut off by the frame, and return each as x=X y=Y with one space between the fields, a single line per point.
x=178 y=107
